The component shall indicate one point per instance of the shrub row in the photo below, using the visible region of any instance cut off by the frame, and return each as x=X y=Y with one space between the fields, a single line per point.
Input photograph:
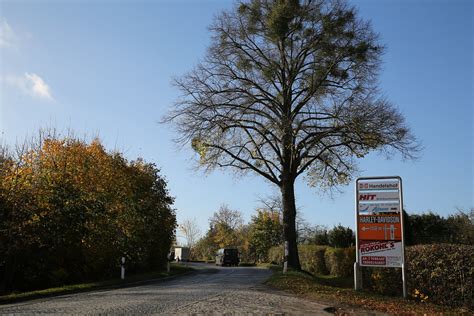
x=446 y=272
x=320 y=259
x=442 y=272
x=340 y=261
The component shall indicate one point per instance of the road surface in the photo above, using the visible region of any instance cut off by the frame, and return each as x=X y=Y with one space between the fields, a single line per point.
x=206 y=291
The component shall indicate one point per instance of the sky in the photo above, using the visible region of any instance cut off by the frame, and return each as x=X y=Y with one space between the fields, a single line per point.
x=104 y=68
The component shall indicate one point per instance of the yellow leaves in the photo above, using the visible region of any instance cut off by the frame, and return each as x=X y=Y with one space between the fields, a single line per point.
x=199 y=147
x=419 y=296
x=376 y=276
x=343 y=178
x=70 y=192
x=34 y=220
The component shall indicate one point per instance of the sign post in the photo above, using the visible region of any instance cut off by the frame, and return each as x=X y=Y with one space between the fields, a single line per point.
x=379 y=226
x=285 y=260
x=122 y=268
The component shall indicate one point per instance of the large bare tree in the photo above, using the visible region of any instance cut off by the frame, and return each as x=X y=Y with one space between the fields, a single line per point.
x=289 y=88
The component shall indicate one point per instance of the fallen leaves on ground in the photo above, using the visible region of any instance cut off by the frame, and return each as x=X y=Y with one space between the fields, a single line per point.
x=347 y=299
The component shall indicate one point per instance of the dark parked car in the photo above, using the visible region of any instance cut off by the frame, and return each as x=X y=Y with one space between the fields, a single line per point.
x=227 y=257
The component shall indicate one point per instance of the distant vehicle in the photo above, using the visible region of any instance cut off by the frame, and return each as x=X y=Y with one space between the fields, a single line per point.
x=227 y=257
x=181 y=253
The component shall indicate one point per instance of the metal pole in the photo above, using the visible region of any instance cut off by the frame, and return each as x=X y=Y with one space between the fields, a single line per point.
x=122 y=270
x=357 y=269
x=403 y=241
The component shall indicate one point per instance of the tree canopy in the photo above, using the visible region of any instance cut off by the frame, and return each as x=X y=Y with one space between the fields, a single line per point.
x=431 y=228
x=226 y=229
x=289 y=88
x=70 y=209
x=266 y=231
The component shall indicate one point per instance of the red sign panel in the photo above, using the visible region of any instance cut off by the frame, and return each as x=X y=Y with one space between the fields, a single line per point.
x=374 y=261
x=380 y=227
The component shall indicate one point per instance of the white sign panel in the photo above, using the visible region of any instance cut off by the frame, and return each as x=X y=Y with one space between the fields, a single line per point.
x=378 y=196
x=378 y=208
x=380 y=253
x=378 y=185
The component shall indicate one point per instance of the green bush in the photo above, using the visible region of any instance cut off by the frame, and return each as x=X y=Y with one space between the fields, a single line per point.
x=341 y=237
x=340 y=261
x=320 y=259
x=275 y=255
x=440 y=273
x=70 y=209
x=444 y=272
x=312 y=258
x=386 y=281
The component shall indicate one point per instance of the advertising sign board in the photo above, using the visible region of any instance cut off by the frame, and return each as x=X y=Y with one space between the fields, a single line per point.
x=379 y=223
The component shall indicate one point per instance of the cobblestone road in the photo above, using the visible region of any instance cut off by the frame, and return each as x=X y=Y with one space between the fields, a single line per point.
x=229 y=290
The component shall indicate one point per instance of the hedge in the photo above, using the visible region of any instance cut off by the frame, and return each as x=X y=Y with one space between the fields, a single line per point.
x=70 y=209
x=312 y=258
x=386 y=281
x=442 y=272
x=275 y=255
x=320 y=259
x=340 y=261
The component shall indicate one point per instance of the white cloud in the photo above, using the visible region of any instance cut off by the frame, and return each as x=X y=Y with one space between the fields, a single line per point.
x=8 y=38
x=37 y=86
x=31 y=84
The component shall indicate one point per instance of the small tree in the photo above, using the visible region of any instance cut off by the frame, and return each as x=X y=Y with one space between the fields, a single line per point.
x=431 y=228
x=204 y=248
x=289 y=88
x=266 y=231
x=225 y=226
x=316 y=235
x=191 y=232
x=341 y=237
x=461 y=227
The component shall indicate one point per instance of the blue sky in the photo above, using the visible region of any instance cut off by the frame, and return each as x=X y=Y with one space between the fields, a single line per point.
x=104 y=68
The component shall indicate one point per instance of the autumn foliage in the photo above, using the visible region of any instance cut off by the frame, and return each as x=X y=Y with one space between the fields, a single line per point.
x=69 y=210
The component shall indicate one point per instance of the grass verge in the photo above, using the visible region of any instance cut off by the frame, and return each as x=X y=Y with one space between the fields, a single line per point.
x=84 y=287
x=338 y=292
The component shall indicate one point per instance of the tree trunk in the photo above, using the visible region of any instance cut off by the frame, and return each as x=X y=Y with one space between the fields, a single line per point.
x=289 y=218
